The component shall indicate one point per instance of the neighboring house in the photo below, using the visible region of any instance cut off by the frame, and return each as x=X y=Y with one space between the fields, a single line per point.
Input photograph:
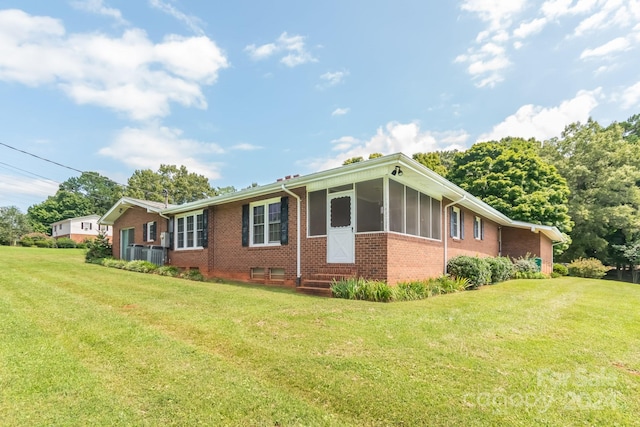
x=81 y=228
x=388 y=218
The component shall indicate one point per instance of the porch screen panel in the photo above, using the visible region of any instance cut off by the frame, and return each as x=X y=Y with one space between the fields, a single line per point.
x=318 y=213
x=369 y=199
x=412 y=212
x=396 y=206
x=425 y=215
x=436 y=219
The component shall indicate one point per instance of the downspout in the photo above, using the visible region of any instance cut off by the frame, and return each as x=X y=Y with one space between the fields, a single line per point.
x=298 y=275
x=447 y=231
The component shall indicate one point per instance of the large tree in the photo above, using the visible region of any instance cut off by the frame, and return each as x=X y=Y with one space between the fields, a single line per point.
x=13 y=224
x=602 y=169
x=64 y=204
x=510 y=176
x=179 y=185
x=432 y=161
x=101 y=191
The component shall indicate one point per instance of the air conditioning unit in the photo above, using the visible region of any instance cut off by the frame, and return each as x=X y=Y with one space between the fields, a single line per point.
x=165 y=240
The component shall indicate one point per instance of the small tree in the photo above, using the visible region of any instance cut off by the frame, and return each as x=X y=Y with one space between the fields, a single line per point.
x=98 y=248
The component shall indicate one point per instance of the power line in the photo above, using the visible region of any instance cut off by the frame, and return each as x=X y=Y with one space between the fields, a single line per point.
x=41 y=158
x=30 y=173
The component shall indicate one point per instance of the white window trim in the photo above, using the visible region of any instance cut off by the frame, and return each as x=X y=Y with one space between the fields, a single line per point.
x=477 y=228
x=193 y=214
x=456 y=231
x=149 y=225
x=266 y=204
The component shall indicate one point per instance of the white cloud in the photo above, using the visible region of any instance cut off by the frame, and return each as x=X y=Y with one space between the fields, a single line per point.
x=616 y=45
x=394 y=137
x=21 y=186
x=245 y=147
x=98 y=7
x=193 y=22
x=332 y=78
x=151 y=146
x=340 y=111
x=129 y=74
x=291 y=47
x=630 y=97
x=527 y=29
x=531 y=121
x=496 y=12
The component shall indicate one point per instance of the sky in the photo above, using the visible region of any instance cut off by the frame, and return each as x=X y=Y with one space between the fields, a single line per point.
x=248 y=92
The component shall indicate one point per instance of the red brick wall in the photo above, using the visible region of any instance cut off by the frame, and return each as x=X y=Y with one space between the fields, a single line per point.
x=135 y=217
x=517 y=242
x=471 y=246
x=413 y=258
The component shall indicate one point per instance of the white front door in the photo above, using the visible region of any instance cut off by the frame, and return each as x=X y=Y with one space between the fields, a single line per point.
x=341 y=241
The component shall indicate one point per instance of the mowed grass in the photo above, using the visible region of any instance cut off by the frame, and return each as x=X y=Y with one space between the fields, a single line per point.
x=82 y=344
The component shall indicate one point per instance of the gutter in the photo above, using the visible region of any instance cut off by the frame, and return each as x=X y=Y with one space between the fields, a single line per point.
x=298 y=275
x=446 y=230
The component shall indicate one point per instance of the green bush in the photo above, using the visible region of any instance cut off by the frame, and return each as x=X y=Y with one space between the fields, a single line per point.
x=410 y=291
x=475 y=270
x=525 y=264
x=98 y=248
x=66 y=243
x=39 y=240
x=560 y=269
x=140 y=266
x=501 y=268
x=587 y=267
x=192 y=274
x=529 y=275
x=361 y=289
x=168 y=270
x=111 y=262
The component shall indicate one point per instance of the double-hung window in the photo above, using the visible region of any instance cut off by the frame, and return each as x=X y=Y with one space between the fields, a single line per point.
x=190 y=230
x=455 y=222
x=265 y=222
x=478 y=228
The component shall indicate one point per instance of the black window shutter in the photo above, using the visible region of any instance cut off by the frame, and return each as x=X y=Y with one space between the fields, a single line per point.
x=154 y=227
x=481 y=229
x=461 y=225
x=284 y=221
x=245 y=225
x=205 y=228
x=144 y=232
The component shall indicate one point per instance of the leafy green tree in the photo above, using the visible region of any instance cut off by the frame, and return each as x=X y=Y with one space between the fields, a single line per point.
x=101 y=191
x=630 y=252
x=432 y=161
x=602 y=169
x=64 y=204
x=353 y=160
x=13 y=224
x=181 y=185
x=632 y=129
x=375 y=155
x=510 y=176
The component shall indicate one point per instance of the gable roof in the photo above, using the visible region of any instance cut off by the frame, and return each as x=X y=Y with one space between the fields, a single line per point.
x=125 y=203
x=414 y=175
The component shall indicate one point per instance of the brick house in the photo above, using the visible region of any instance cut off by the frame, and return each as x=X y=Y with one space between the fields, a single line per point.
x=388 y=218
x=80 y=229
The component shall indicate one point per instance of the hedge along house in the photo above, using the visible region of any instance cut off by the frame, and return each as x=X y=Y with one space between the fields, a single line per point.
x=388 y=218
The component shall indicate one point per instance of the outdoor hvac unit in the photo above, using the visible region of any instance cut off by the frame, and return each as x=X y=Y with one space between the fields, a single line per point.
x=165 y=240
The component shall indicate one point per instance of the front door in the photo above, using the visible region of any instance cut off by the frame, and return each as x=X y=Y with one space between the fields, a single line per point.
x=340 y=236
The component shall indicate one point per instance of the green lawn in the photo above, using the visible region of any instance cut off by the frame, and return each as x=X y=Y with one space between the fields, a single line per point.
x=86 y=345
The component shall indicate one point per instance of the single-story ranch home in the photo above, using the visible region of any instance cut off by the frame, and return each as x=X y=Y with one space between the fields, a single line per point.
x=388 y=218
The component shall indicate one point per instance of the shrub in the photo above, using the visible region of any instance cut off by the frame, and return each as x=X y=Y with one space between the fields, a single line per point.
x=587 y=267
x=66 y=243
x=39 y=240
x=501 y=268
x=192 y=274
x=529 y=275
x=525 y=264
x=410 y=291
x=140 y=266
x=111 y=262
x=560 y=269
x=361 y=289
x=451 y=284
x=168 y=270
x=475 y=270
x=98 y=248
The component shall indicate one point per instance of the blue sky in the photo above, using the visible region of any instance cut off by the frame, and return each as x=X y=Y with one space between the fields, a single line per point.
x=251 y=91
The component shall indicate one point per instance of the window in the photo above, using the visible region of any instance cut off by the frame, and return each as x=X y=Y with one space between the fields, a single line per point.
x=265 y=223
x=396 y=206
x=369 y=211
x=317 y=213
x=149 y=231
x=190 y=231
x=478 y=228
x=455 y=219
x=412 y=212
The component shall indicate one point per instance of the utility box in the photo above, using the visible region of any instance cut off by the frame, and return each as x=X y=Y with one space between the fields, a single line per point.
x=165 y=240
